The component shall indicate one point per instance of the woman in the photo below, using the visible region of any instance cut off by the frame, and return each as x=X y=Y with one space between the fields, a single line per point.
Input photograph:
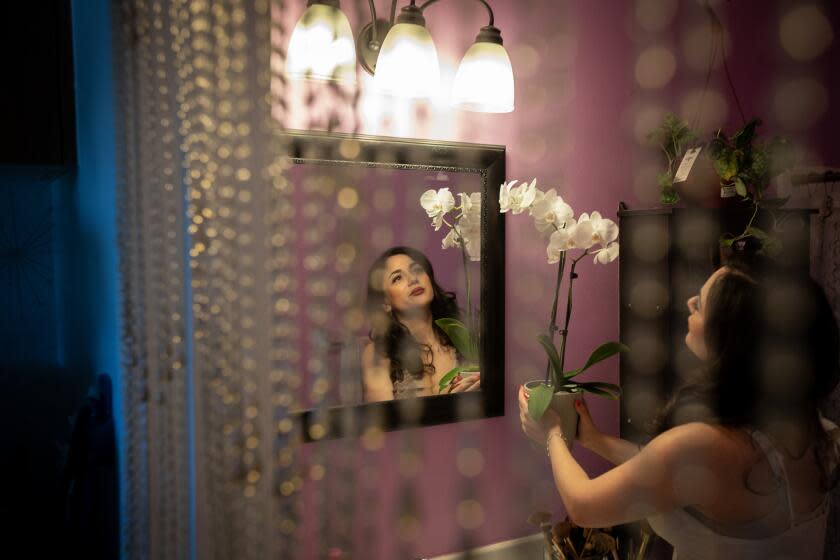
x=743 y=462
x=408 y=353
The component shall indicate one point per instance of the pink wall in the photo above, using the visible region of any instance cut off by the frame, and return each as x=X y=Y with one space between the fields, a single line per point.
x=579 y=113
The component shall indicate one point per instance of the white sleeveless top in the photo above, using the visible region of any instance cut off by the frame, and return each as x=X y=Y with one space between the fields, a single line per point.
x=696 y=537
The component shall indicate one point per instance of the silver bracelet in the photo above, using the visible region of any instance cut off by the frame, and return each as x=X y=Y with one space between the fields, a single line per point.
x=548 y=440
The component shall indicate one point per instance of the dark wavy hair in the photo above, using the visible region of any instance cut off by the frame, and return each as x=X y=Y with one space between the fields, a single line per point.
x=774 y=357
x=390 y=337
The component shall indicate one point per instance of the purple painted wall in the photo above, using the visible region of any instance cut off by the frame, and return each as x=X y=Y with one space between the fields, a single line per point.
x=587 y=89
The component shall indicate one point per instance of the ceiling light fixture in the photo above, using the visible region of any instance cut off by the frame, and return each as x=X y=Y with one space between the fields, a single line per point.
x=321 y=47
x=401 y=56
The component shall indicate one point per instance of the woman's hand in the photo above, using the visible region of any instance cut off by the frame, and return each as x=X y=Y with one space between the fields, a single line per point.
x=587 y=432
x=537 y=431
x=462 y=384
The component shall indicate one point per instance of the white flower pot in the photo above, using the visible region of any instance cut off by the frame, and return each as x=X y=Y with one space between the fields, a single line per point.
x=563 y=404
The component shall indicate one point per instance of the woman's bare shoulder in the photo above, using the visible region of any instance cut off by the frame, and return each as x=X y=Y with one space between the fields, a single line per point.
x=372 y=358
x=717 y=444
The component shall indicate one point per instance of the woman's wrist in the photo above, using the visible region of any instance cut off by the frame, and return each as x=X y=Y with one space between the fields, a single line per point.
x=553 y=433
x=591 y=442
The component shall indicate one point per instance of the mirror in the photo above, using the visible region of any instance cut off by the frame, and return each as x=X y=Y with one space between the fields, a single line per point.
x=359 y=196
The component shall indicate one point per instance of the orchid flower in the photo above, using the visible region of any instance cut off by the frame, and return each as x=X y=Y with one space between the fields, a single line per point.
x=607 y=255
x=437 y=204
x=605 y=231
x=518 y=199
x=551 y=213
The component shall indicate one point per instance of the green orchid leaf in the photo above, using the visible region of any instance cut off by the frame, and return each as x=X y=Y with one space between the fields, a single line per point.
x=740 y=187
x=539 y=399
x=601 y=393
x=600 y=354
x=551 y=351
x=613 y=390
x=459 y=335
x=726 y=241
x=450 y=375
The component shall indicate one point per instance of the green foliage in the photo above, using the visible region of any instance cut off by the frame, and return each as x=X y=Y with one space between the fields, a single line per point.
x=563 y=380
x=466 y=344
x=460 y=336
x=538 y=400
x=673 y=137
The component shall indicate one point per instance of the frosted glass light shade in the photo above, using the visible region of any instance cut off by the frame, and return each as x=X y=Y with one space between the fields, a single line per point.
x=322 y=47
x=408 y=63
x=484 y=81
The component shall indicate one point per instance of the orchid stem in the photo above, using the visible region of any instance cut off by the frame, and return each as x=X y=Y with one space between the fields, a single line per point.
x=565 y=332
x=470 y=321
x=552 y=326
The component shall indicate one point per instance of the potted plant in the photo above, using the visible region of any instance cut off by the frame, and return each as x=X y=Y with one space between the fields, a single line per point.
x=464 y=223
x=588 y=235
x=741 y=166
x=673 y=137
x=745 y=166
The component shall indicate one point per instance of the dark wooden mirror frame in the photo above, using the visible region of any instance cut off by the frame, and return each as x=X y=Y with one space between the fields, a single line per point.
x=399 y=153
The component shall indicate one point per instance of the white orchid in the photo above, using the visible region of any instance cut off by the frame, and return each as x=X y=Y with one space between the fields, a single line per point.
x=451 y=240
x=557 y=244
x=607 y=255
x=471 y=233
x=551 y=213
x=576 y=235
x=518 y=199
x=604 y=231
x=437 y=204
x=469 y=224
x=471 y=204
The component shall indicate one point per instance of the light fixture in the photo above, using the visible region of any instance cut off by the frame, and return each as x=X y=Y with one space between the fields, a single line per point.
x=408 y=64
x=322 y=46
x=404 y=63
x=484 y=81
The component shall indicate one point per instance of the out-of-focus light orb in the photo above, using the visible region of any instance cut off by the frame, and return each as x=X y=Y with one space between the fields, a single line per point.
x=348 y=198
x=563 y=49
x=710 y=109
x=805 y=32
x=382 y=237
x=655 y=15
x=655 y=67
x=470 y=461
x=700 y=43
x=408 y=528
x=533 y=146
x=470 y=514
x=525 y=59
x=800 y=103
x=646 y=119
x=383 y=200
x=529 y=289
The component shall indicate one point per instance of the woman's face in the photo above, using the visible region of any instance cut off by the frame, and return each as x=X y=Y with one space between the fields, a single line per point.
x=697 y=305
x=406 y=285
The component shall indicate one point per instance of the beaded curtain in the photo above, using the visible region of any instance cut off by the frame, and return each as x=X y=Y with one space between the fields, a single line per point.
x=202 y=272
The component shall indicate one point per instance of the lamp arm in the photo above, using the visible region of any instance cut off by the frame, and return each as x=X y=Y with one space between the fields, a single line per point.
x=393 y=12
x=373 y=21
x=428 y=3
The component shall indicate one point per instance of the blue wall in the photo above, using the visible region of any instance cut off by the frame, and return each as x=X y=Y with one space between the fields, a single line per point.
x=89 y=270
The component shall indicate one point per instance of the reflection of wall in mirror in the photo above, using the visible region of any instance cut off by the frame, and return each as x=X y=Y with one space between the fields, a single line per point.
x=348 y=216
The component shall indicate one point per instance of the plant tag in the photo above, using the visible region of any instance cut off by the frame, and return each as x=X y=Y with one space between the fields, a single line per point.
x=687 y=163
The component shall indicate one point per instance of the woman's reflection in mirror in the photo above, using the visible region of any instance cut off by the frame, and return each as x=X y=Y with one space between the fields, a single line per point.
x=408 y=353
